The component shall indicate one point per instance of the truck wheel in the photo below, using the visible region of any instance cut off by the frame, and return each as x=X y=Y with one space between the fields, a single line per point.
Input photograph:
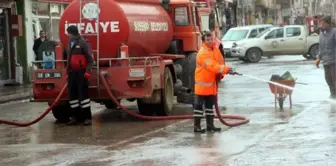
x=254 y=55
x=313 y=51
x=109 y=104
x=188 y=70
x=61 y=112
x=167 y=95
x=146 y=109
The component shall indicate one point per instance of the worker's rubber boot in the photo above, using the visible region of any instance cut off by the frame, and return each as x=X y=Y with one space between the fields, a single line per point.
x=72 y=121
x=74 y=116
x=210 y=124
x=197 y=125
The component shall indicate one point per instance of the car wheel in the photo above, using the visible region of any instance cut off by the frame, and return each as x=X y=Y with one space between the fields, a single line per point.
x=244 y=59
x=313 y=51
x=306 y=56
x=254 y=55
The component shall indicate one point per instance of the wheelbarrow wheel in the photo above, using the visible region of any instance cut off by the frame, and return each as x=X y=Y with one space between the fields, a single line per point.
x=281 y=100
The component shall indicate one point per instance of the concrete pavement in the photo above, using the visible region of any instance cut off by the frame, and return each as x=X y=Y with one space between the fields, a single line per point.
x=303 y=136
x=15 y=93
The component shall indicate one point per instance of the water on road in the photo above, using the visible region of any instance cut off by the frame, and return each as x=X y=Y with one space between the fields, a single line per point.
x=304 y=135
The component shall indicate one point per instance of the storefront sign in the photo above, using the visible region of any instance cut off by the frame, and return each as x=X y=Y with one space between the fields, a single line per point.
x=17 y=26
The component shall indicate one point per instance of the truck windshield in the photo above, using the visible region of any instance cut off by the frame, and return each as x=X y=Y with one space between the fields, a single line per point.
x=235 y=35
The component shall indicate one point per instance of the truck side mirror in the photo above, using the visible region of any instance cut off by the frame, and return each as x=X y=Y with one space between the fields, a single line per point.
x=165 y=4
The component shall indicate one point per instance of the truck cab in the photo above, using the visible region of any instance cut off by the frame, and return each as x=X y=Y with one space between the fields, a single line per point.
x=190 y=18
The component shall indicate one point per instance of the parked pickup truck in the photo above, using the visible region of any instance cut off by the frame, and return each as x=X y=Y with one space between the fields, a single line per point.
x=286 y=40
x=240 y=33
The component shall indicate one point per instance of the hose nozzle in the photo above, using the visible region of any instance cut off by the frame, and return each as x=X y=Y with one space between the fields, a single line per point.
x=233 y=72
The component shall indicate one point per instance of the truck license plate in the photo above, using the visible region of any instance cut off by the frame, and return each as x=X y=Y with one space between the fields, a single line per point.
x=48 y=75
x=137 y=72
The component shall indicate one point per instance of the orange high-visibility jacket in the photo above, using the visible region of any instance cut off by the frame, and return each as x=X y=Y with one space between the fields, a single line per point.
x=209 y=63
x=219 y=58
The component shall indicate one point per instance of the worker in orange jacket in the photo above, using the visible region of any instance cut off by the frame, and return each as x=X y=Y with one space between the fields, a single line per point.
x=210 y=68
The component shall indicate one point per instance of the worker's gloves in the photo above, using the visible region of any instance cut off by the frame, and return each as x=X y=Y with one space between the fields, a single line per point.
x=87 y=75
x=317 y=63
x=219 y=77
x=226 y=70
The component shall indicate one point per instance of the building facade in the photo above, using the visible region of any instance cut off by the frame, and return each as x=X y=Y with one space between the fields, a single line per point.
x=11 y=31
x=42 y=15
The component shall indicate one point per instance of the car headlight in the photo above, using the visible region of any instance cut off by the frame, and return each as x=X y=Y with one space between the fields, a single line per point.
x=240 y=44
x=234 y=45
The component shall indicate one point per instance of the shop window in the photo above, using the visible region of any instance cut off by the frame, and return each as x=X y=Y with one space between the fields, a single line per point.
x=46 y=17
x=55 y=32
x=40 y=9
x=55 y=10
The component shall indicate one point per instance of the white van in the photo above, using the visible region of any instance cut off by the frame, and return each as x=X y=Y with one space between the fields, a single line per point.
x=240 y=33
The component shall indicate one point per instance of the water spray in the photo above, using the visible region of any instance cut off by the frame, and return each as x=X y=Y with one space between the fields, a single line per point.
x=279 y=85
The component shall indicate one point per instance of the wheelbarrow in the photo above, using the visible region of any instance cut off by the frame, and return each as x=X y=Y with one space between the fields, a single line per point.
x=281 y=93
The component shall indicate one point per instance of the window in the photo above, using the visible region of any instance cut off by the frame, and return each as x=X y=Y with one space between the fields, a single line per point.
x=261 y=30
x=46 y=17
x=235 y=35
x=253 y=33
x=181 y=16
x=195 y=16
x=205 y=23
x=277 y=33
x=292 y=32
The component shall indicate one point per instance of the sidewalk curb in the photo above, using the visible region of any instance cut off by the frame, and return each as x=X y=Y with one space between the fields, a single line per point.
x=15 y=97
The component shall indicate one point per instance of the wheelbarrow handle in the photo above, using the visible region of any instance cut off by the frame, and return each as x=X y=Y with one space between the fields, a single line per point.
x=301 y=83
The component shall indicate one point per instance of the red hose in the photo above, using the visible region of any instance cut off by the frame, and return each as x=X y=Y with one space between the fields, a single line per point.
x=25 y=124
x=244 y=120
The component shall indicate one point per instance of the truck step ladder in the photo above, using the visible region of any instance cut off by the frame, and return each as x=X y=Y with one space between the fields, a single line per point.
x=91 y=6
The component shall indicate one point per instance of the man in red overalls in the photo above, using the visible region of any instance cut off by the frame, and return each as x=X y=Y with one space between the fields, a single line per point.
x=79 y=64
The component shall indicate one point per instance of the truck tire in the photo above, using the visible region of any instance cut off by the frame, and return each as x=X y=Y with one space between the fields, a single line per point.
x=188 y=70
x=188 y=79
x=167 y=95
x=254 y=55
x=145 y=108
x=165 y=107
x=109 y=104
x=61 y=112
x=313 y=51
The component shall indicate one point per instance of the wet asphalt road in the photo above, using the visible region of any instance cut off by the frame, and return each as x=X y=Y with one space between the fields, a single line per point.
x=305 y=135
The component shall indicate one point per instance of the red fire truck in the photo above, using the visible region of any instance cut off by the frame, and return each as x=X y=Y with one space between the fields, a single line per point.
x=147 y=48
